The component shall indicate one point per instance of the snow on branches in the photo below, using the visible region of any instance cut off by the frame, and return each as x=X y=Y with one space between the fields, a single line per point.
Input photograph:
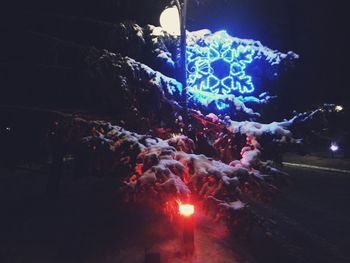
x=174 y=167
x=133 y=89
x=163 y=170
x=160 y=50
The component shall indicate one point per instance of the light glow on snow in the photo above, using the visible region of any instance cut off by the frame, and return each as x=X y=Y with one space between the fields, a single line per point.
x=170 y=21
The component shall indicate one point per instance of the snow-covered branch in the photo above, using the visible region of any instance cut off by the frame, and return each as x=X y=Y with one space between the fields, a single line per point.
x=163 y=170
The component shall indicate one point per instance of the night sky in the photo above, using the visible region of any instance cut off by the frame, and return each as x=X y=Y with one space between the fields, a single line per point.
x=315 y=30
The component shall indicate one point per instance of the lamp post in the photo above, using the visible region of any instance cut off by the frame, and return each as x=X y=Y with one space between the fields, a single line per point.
x=187 y=211
x=338 y=108
x=174 y=21
x=183 y=15
x=334 y=148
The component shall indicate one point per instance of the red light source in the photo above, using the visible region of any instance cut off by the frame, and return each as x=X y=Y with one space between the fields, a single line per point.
x=186 y=209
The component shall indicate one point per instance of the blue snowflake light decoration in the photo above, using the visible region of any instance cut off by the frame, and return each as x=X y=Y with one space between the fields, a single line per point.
x=218 y=68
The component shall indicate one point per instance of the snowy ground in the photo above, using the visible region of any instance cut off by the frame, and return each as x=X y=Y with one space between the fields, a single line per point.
x=89 y=224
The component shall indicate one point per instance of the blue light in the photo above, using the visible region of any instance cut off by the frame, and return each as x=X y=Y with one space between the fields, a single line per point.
x=218 y=68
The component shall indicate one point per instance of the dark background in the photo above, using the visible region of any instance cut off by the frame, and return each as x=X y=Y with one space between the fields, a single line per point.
x=316 y=30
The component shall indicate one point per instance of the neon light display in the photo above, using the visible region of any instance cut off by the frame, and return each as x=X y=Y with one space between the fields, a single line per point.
x=218 y=68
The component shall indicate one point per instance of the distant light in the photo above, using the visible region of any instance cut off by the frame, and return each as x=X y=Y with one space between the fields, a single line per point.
x=338 y=108
x=170 y=21
x=334 y=147
x=186 y=209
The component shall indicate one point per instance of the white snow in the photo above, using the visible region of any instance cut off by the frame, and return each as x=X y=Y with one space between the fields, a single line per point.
x=257 y=129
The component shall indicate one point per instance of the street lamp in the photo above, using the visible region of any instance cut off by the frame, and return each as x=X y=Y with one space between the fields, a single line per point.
x=173 y=20
x=334 y=148
x=338 y=108
x=170 y=21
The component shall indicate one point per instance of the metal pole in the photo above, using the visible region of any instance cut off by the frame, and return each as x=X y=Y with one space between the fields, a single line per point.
x=188 y=236
x=183 y=59
x=182 y=70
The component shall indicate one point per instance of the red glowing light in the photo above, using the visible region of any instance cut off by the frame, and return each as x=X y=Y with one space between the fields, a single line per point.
x=186 y=209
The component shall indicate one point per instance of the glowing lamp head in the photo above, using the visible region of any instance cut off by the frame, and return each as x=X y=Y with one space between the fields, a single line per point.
x=186 y=209
x=334 y=147
x=170 y=21
x=338 y=108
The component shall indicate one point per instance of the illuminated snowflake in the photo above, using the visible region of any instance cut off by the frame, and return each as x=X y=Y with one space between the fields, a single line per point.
x=218 y=67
